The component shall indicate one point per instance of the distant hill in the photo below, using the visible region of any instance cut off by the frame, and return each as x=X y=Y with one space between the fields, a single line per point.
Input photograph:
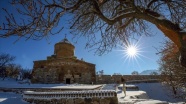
x=149 y=72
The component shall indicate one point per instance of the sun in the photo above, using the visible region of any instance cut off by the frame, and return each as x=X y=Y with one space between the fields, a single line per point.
x=131 y=51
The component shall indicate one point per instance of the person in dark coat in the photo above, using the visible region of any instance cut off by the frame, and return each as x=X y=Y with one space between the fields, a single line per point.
x=124 y=85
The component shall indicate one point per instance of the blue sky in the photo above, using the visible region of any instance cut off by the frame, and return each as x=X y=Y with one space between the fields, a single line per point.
x=114 y=62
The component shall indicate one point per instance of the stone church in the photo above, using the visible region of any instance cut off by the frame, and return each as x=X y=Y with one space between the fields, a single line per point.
x=63 y=67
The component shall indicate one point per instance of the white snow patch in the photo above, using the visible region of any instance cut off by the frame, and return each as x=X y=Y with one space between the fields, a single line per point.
x=157 y=91
x=11 y=98
x=2 y=99
x=136 y=97
x=161 y=17
x=150 y=101
x=184 y=30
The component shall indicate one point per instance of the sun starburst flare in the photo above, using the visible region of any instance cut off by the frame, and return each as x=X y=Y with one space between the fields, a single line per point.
x=132 y=52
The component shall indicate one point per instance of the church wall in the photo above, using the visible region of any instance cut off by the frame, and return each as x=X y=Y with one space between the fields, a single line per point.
x=75 y=70
x=45 y=75
x=63 y=67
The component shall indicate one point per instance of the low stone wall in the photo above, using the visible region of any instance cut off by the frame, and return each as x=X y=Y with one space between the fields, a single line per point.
x=94 y=100
x=72 y=97
x=108 y=79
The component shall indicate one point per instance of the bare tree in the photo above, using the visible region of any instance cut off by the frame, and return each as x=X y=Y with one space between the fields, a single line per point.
x=13 y=70
x=104 y=22
x=27 y=73
x=172 y=72
x=5 y=59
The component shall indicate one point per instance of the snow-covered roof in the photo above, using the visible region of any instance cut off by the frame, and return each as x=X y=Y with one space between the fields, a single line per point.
x=183 y=30
x=65 y=40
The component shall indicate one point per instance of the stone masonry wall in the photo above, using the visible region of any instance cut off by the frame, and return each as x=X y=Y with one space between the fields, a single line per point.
x=94 y=100
x=108 y=79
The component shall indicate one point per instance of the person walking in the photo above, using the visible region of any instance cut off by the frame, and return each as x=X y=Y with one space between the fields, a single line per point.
x=124 y=85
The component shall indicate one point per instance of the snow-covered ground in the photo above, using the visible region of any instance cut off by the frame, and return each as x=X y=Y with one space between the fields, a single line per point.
x=137 y=97
x=12 y=83
x=157 y=91
x=149 y=93
x=11 y=98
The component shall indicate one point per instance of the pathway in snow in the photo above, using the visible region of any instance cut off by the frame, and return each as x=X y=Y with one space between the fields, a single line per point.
x=137 y=97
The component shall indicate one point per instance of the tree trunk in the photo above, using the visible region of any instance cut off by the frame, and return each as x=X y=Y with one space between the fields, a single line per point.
x=182 y=57
x=174 y=90
x=171 y=34
x=178 y=37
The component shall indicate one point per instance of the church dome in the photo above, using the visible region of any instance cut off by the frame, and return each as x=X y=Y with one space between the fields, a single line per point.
x=64 y=49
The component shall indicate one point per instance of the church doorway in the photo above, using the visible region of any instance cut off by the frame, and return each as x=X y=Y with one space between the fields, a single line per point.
x=67 y=80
